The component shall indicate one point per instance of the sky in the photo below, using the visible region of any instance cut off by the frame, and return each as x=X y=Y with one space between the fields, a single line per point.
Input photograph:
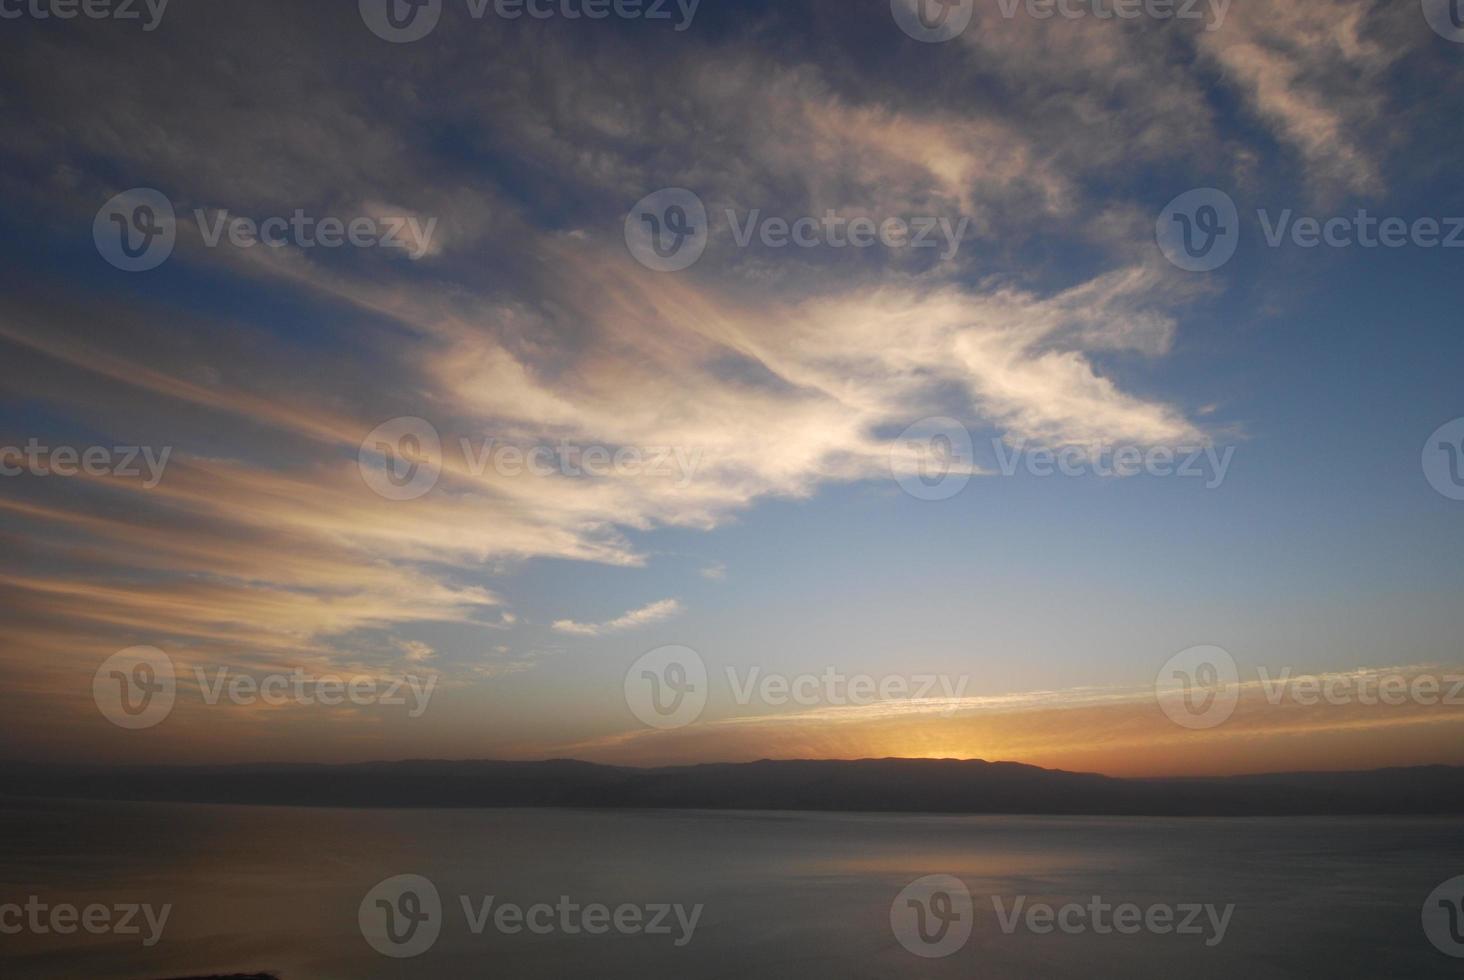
x=570 y=426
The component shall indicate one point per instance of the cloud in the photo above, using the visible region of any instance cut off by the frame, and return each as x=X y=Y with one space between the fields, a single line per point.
x=1313 y=70
x=753 y=377
x=524 y=321
x=646 y=615
x=416 y=651
x=1116 y=730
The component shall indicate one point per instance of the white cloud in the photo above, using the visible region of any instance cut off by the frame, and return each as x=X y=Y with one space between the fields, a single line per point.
x=636 y=618
x=1312 y=69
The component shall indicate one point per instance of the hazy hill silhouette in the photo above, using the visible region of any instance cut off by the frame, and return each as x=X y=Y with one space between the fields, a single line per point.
x=880 y=785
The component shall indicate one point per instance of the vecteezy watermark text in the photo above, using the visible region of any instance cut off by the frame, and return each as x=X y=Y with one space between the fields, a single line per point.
x=668 y=688
x=65 y=919
x=1361 y=230
x=1200 y=688
x=1199 y=231
x=933 y=21
x=832 y=688
x=570 y=460
x=137 y=230
x=137 y=688
x=934 y=459
x=69 y=461
x=1392 y=689
x=933 y=917
x=403 y=917
x=404 y=21
x=836 y=231
x=402 y=459
x=406 y=232
x=1103 y=918
x=150 y=12
x=669 y=230
x=1208 y=463
x=277 y=690
x=1213 y=12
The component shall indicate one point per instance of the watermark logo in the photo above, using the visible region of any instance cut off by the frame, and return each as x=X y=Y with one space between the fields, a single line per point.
x=401 y=21
x=401 y=917
x=1446 y=17
x=934 y=459
x=1443 y=460
x=933 y=917
x=1199 y=230
x=667 y=231
x=136 y=230
x=667 y=688
x=150 y=12
x=136 y=688
x=1443 y=918
x=401 y=459
x=933 y=21
x=1199 y=688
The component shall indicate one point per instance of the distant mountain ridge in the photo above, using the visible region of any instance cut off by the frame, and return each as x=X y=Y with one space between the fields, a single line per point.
x=886 y=785
x=870 y=785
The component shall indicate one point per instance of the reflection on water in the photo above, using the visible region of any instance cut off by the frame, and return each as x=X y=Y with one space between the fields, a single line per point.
x=780 y=895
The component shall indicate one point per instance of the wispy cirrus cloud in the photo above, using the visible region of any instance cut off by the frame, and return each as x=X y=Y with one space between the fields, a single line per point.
x=526 y=319
x=780 y=377
x=1312 y=70
x=1117 y=730
x=646 y=615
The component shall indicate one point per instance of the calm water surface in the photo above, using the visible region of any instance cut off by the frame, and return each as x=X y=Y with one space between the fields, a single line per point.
x=784 y=895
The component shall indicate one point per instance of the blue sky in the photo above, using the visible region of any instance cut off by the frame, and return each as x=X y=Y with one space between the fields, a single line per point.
x=787 y=373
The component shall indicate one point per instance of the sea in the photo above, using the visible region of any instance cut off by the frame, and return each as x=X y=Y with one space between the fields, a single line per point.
x=338 y=893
